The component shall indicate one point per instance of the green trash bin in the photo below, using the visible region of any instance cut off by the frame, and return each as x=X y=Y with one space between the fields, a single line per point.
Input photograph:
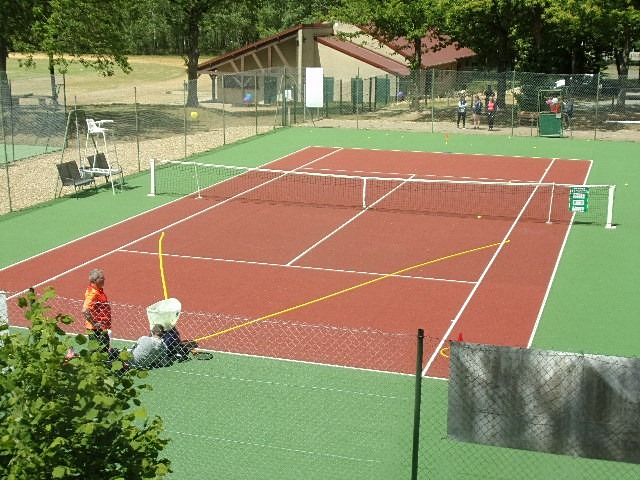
x=550 y=125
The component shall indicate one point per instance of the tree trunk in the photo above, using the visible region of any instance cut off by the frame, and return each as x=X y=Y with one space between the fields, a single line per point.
x=415 y=74
x=4 y=54
x=193 y=55
x=622 y=64
x=4 y=80
x=54 y=87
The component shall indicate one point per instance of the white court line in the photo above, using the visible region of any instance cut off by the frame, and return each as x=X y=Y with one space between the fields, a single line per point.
x=300 y=267
x=454 y=322
x=131 y=218
x=367 y=173
x=555 y=270
x=347 y=222
x=167 y=226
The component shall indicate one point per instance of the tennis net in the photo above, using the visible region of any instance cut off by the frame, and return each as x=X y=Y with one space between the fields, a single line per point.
x=549 y=202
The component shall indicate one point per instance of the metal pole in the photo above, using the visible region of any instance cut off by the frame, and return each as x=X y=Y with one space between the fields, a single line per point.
x=255 y=99
x=135 y=106
x=224 y=125
x=433 y=98
x=416 y=406
x=595 y=123
x=184 y=114
x=357 y=97
x=513 y=100
x=4 y=139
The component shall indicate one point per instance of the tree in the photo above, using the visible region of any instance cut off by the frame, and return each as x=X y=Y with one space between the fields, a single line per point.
x=620 y=19
x=16 y=14
x=81 y=30
x=71 y=418
x=148 y=29
x=490 y=28
x=274 y=16
x=188 y=17
x=393 y=20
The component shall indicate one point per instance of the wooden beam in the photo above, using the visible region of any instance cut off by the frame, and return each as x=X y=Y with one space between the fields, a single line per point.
x=257 y=60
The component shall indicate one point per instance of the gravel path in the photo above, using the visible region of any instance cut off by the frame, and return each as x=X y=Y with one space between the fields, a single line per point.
x=34 y=180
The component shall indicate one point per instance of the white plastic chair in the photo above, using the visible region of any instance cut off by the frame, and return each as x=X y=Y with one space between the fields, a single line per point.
x=108 y=167
x=96 y=128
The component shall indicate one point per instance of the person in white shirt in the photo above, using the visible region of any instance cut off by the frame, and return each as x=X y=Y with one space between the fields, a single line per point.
x=462 y=112
x=150 y=351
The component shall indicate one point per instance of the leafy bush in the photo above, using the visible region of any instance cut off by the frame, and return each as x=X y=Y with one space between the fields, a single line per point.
x=71 y=418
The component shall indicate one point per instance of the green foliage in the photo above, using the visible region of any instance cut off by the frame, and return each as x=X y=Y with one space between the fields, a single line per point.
x=392 y=20
x=71 y=418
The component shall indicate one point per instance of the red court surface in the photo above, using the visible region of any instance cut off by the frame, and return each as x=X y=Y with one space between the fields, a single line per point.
x=484 y=278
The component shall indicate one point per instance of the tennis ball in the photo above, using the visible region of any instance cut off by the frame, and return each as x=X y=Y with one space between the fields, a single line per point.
x=479 y=216
x=194 y=115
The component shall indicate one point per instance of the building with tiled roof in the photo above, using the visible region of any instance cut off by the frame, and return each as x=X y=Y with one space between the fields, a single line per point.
x=341 y=57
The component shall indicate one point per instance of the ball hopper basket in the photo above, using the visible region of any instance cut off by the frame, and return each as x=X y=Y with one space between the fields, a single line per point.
x=165 y=313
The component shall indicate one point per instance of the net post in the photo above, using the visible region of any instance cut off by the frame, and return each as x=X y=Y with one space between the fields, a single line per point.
x=364 y=193
x=152 y=175
x=195 y=172
x=612 y=191
x=416 y=407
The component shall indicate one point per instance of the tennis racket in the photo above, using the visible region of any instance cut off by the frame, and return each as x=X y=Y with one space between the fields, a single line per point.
x=201 y=354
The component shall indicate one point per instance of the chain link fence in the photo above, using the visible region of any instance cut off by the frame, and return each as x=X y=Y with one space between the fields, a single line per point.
x=288 y=400
x=175 y=121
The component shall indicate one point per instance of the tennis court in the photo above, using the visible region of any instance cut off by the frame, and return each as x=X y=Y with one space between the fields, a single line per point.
x=249 y=416
x=443 y=242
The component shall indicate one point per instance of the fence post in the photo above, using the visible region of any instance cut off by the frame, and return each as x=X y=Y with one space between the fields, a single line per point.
x=357 y=97
x=5 y=92
x=185 y=97
x=416 y=406
x=433 y=98
x=513 y=100
x=595 y=123
x=255 y=100
x=137 y=115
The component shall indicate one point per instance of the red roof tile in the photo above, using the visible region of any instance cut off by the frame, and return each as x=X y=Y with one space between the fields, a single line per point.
x=402 y=46
x=442 y=56
x=365 y=55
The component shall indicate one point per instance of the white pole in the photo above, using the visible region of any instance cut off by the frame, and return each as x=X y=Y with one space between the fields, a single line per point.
x=4 y=311
x=152 y=171
x=195 y=168
x=612 y=191
x=364 y=193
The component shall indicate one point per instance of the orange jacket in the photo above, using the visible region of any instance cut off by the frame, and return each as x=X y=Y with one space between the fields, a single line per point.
x=95 y=301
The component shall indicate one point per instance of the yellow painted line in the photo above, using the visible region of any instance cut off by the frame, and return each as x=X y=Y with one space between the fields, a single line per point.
x=164 y=283
x=326 y=297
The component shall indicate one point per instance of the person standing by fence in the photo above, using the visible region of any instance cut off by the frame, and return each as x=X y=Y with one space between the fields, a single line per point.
x=462 y=112
x=476 y=111
x=488 y=93
x=97 y=311
x=492 y=108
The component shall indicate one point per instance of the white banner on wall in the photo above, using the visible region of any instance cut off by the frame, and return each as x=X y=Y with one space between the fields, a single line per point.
x=314 y=87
